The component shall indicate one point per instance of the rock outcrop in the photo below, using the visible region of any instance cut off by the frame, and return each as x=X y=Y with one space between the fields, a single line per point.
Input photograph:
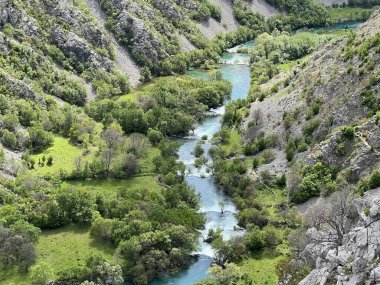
x=337 y=82
x=357 y=260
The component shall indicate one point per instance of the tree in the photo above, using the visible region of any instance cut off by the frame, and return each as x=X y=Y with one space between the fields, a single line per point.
x=255 y=240
x=334 y=214
x=41 y=274
x=297 y=240
x=108 y=274
x=112 y=138
x=228 y=251
x=222 y=205
x=154 y=136
x=137 y=144
x=132 y=120
x=39 y=139
x=229 y=274
x=77 y=205
x=27 y=230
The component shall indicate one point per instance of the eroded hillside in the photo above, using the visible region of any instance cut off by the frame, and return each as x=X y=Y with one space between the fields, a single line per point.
x=329 y=102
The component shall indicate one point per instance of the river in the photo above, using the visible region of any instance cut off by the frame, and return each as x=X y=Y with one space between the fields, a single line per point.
x=234 y=67
x=211 y=196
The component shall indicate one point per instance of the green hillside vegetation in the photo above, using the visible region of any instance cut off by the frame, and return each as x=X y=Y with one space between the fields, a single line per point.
x=62 y=250
x=344 y=14
x=92 y=189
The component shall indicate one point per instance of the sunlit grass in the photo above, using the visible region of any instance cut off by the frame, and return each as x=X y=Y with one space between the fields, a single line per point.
x=233 y=143
x=343 y=14
x=64 y=248
x=63 y=153
x=111 y=186
x=261 y=267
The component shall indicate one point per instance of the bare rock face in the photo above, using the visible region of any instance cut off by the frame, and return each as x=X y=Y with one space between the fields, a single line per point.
x=354 y=262
x=170 y=10
x=144 y=43
x=18 y=88
x=17 y=18
x=69 y=14
x=72 y=45
x=188 y=4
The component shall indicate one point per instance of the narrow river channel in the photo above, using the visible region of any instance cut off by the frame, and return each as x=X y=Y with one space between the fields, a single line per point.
x=239 y=75
x=234 y=67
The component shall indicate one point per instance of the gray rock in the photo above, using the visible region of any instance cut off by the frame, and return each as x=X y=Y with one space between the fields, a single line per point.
x=74 y=46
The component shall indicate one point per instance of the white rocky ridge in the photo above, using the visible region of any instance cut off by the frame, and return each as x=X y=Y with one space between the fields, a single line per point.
x=357 y=260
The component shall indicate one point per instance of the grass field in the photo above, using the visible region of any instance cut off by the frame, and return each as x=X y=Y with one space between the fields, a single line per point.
x=64 y=154
x=112 y=186
x=261 y=267
x=344 y=14
x=233 y=143
x=64 y=248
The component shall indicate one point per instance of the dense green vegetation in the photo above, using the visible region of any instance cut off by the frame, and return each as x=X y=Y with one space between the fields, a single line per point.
x=344 y=14
x=98 y=177
x=300 y=13
x=110 y=138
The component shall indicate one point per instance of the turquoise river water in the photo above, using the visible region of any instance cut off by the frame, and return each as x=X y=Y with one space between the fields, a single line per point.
x=234 y=67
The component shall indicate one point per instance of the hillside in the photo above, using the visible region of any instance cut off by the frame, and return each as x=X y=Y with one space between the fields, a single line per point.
x=296 y=155
x=109 y=148
x=334 y=87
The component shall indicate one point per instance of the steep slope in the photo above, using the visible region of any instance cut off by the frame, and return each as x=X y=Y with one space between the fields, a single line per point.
x=228 y=21
x=329 y=3
x=355 y=260
x=122 y=59
x=262 y=7
x=335 y=87
x=65 y=38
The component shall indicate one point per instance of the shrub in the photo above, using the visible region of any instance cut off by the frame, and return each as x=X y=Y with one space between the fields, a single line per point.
x=198 y=150
x=268 y=156
x=255 y=240
x=39 y=139
x=374 y=180
x=250 y=149
x=154 y=136
x=49 y=161
x=348 y=132
x=309 y=128
x=252 y=216
x=9 y=139
x=341 y=149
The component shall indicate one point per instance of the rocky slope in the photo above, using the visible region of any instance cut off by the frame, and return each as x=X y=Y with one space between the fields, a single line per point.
x=123 y=59
x=342 y=80
x=356 y=260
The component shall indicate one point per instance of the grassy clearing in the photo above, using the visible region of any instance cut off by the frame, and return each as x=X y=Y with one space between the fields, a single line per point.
x=113 y=186
x=70 y=246
x=62 y=249
x=146 y=88
x=233 y=143
x=344 y=14
x=261 y=267
x=287 y=65
x=64 y=154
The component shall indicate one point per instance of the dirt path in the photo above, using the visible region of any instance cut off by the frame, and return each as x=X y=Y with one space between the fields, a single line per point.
x=122 y=58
